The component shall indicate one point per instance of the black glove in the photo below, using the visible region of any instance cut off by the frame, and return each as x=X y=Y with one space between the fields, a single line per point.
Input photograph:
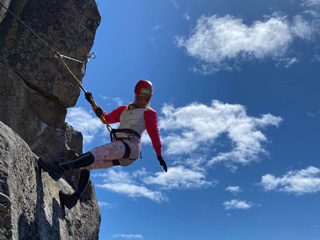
x=163 y=163
x=88 y=96
x=99 y=112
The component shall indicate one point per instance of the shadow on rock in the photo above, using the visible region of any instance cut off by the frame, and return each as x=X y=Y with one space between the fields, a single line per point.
x=41 y=228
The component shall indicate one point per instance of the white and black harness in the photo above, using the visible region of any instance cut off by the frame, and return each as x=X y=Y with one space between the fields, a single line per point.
x=131 y=134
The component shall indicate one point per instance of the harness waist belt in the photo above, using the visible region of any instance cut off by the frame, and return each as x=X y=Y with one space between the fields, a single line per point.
x=128 y=131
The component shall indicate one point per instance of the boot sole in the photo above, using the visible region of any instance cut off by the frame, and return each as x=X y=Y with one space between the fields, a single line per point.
x=64 y=202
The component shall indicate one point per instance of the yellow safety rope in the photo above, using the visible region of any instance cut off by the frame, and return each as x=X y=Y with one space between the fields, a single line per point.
x=58 y=55
x=95 y=106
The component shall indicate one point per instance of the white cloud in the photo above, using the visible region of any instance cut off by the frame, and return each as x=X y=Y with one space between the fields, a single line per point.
x=234 y=189
x=302 y=28
x=175 y=4
x=134 y=191
x=140 y=173
x=105 y=205
x=128 y=184
x=316 y=58
x=197 y=128
x=237 y=204
x=286 y=62
x=113 y=176
x=88 y=125
x=158 y=27
x=186 y=16
x=180 y=178
x=298 y=182
x=117 y=100
x=313 y=115
x=186 y=131
x=139 y=182
x=128 y=236
x=217 y=40
x=311 y=3
x=157 y=34
x=145 y=139
x=194 y=161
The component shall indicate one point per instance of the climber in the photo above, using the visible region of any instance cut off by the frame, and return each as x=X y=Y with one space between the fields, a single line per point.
x=124 y=150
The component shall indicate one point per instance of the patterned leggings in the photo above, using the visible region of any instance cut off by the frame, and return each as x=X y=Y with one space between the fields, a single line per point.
x=114 y=151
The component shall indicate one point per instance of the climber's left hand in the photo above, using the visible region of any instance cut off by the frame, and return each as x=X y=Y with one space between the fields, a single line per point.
x=163 y=163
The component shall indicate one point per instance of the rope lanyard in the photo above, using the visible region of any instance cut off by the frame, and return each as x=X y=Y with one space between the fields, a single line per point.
x=28 y=28
x=60 y=57
x=95 y=106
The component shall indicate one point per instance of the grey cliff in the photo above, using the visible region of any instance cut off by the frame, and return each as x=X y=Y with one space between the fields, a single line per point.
x=35 y=92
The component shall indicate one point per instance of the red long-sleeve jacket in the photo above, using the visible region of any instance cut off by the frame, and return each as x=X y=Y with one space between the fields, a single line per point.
x=138 y=120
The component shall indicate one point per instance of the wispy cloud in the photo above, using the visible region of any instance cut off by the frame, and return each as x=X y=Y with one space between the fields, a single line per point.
x=129 y=184
x=186 y=16
x=316 y=58
x=157 y=34
x=140 y=183
x=237 y=204
x=115 y=176
x=128 y=236
x=158 y=27
x=185 y=132
x=106 y=205
x=197 y=128
x=298 y=182
x=118 y=101
x=223 y=43
x=180 y=178
x=134 y=191
x=175 y=3
x=89 y=125
x=234 y=189
x=311 y=3
x=302 y=28
x=145 y=139
x=185 y=135
x=313 y=115
x=286 y=62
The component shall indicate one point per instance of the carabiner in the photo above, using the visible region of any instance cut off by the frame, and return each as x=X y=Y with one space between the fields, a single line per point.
x=91 y=56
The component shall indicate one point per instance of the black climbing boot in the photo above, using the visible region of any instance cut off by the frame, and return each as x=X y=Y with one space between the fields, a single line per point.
x=53 y=169
x=82 y=160
x=70 y=200
x=56 y=170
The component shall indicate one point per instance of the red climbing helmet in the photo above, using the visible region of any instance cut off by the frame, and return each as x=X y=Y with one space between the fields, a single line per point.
x=144 y=87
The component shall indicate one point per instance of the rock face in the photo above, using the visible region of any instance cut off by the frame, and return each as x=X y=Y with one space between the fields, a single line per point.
x=35 y=90
x=67 y=26
x=35 y=212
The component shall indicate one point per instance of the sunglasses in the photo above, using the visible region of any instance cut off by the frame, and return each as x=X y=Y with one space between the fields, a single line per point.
x=143 y=97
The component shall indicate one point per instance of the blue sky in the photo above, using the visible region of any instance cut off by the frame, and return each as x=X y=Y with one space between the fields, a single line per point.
x=236 y=89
